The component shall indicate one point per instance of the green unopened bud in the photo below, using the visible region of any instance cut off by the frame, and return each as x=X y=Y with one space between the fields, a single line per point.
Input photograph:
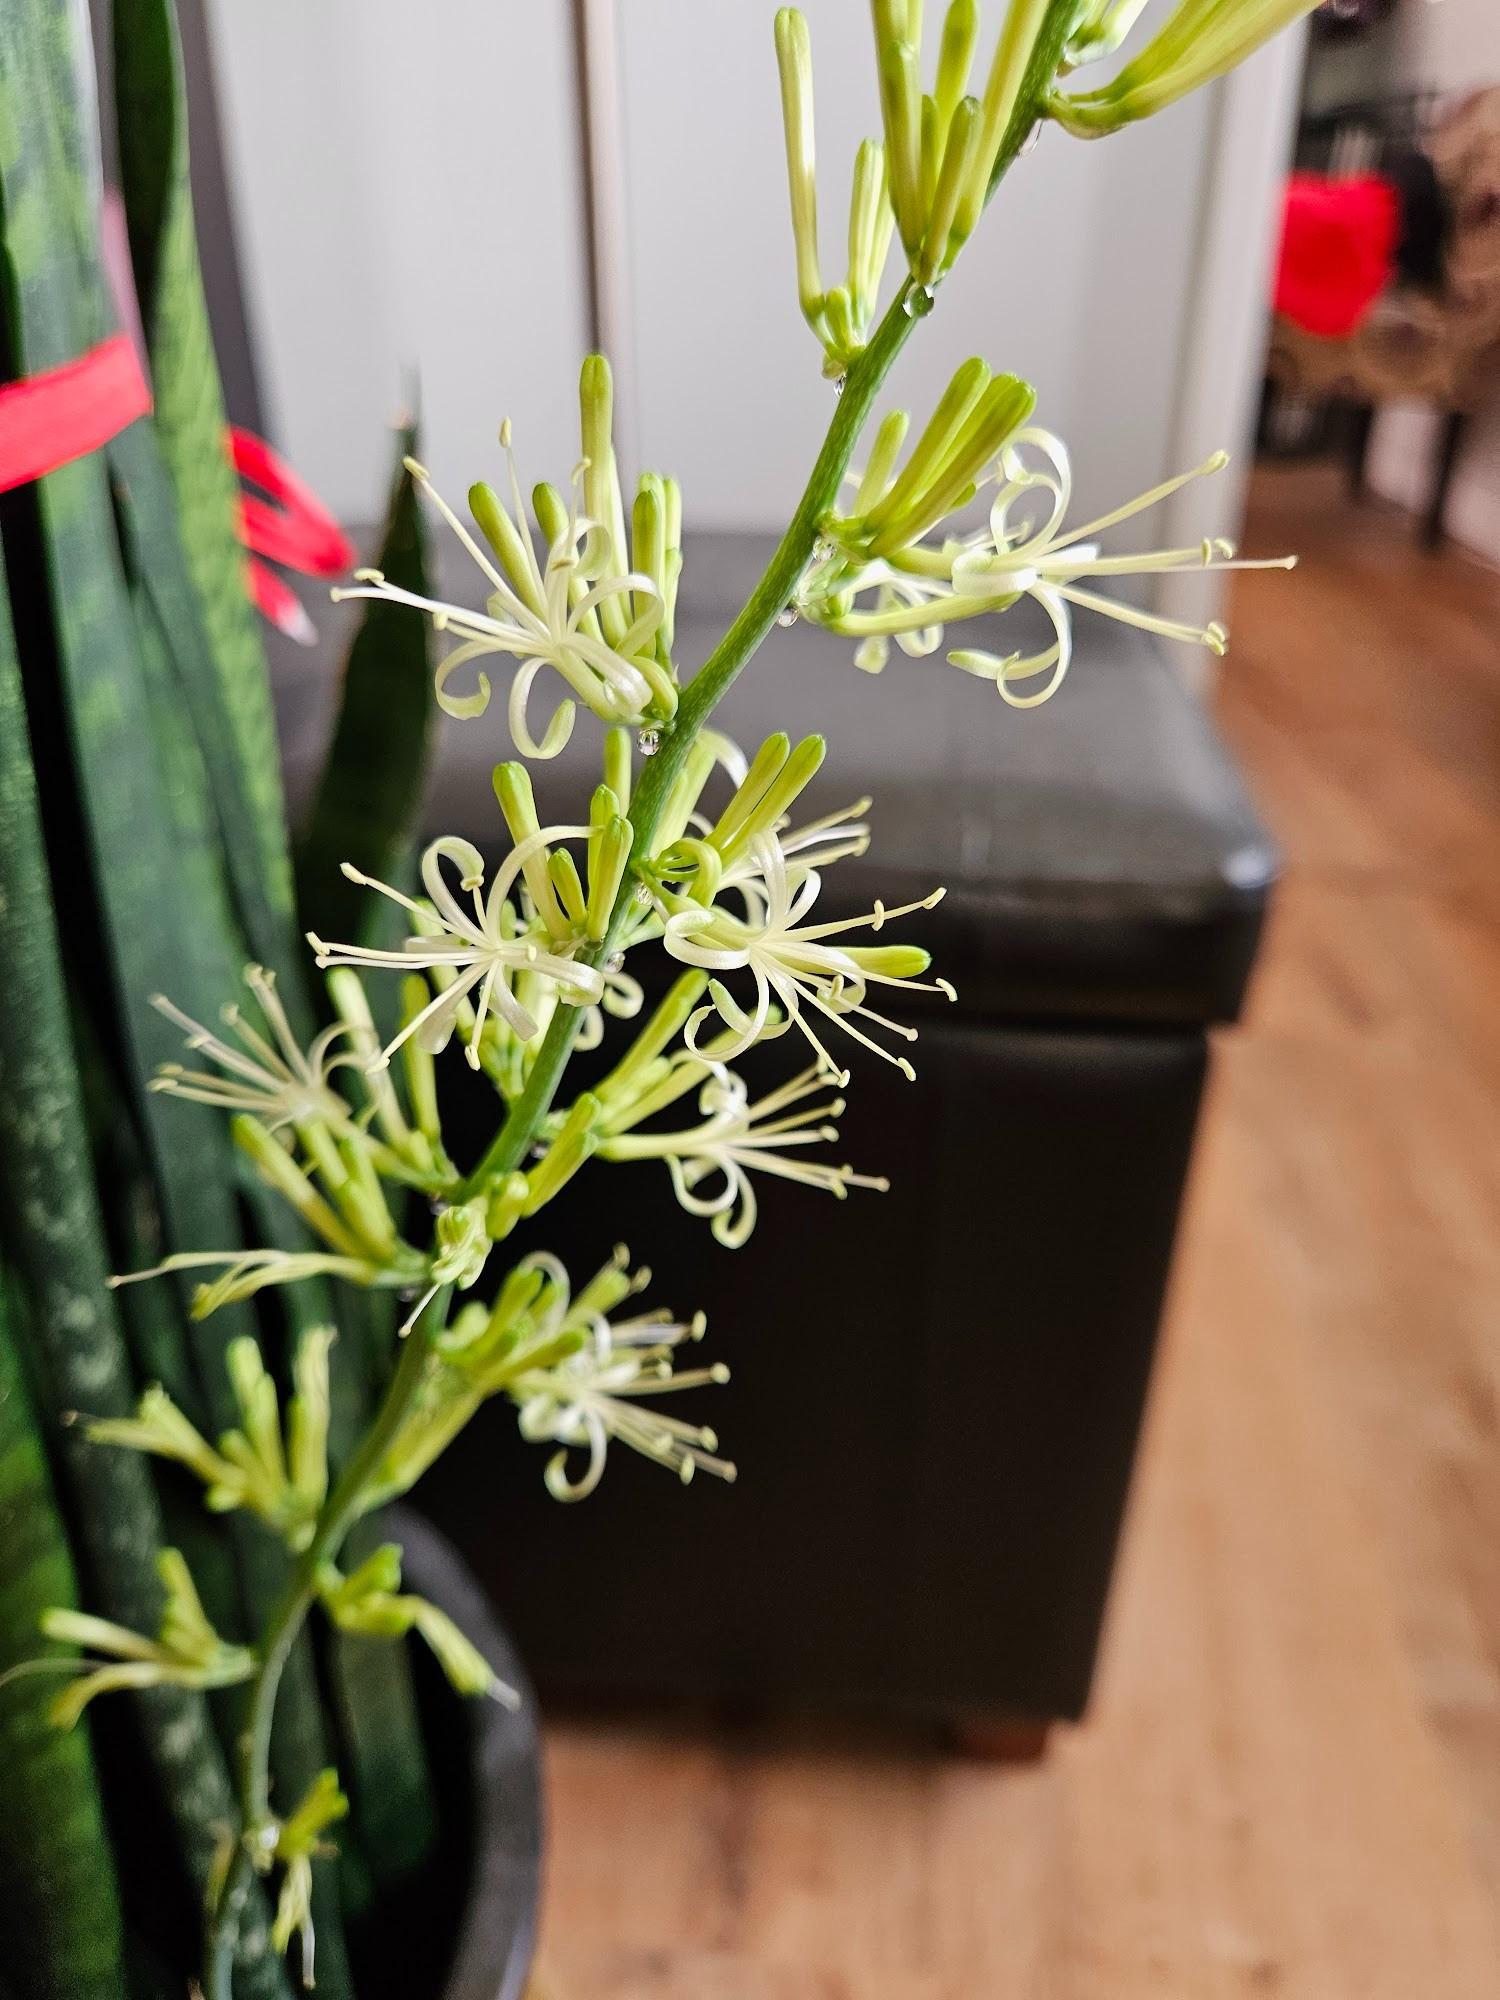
x=551 y=511
x=601 y=481
x=795 y=775
x=256 y=1400
x=322 y=1806
x=1023 y=22
x=563 y=870
x=609 y=1287
x=512 y=782
x=185 y=1628
x=794 y=61
x=280 y=1171
x=308 y=1418
x=461 y=1244
x=603 y=807
x=890 y=961
x=648 y=537
x=838 y=315
x=361 y=1198
x=507 y=1205
x=417 y=1062
x=764 y=767
x=955 y=57
x=568 y=1341
x=900 y=104
x=573 y=1145
x=160 y=1428
x=870 y=225
x=958 y=158
x=606 y=872
x=1204 y=39
x=883 y=455
x=353 y=1009
x=672 y=568
x=928 y=156
x=617 y=765
x=506 y=539
x=685 y=793
x=664 y=1026
x=955 y=406
x=1001 y=410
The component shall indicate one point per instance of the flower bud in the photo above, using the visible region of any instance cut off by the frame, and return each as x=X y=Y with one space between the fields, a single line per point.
x=794 y=61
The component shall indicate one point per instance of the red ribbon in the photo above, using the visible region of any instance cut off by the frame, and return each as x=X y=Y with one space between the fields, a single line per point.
x=298 y=529
x=52 y=418
x=49 y=419
x=293 y=527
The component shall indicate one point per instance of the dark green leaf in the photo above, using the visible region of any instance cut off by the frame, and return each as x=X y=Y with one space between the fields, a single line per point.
x=59 y=1906
x=371 y=786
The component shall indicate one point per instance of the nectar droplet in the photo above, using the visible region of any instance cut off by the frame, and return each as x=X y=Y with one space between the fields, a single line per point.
x=919 y=301
x=786 y=617
x=648 y=742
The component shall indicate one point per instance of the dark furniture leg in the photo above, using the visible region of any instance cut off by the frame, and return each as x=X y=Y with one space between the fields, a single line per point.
x=1001 y=1742
x=1360 y=422
x=1454 y=424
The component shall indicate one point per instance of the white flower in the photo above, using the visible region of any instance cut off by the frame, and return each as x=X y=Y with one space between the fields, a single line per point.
x=591 y=1395
x=547 y=616
x=246 y=1272
x=923 y=588
x=187 y=1651
x=482 y=949
x=272 y=1079
x=737 y=1139
x=794 y=964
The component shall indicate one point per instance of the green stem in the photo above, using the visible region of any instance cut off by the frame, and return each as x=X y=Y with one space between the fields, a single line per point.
x=701 y=696
x=769 y=598
x=704 y=692
x=342 y=1509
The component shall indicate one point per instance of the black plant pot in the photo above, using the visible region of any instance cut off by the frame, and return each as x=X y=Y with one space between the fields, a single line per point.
x=474 y=1912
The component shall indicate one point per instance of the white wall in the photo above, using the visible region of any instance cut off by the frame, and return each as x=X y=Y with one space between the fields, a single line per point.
x=406 y=185
x=408 y=198
x=1077 y=278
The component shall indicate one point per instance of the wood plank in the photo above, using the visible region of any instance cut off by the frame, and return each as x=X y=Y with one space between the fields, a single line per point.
x=1289 y=1783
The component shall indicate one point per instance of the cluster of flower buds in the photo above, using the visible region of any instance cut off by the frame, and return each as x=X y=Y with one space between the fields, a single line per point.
x=575 y=1374
x=187 y=1651
x=878 y=577
x=292 y=1844
x=598 y=609
x=370 y=1601
x=1202 y=40
x=519 y=946
x=930 y=178
x=283 y=1480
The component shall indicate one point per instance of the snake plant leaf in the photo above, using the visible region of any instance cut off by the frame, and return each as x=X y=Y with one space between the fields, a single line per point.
x=151 y=115
x=154 y=533
x=54 y=1242
x=235 y=726
x=59 y=1905
x=365 y=806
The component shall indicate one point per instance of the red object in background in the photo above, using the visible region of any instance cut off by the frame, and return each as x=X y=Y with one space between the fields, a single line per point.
x=292 y=527
x=49 y=419
x=1338 y=251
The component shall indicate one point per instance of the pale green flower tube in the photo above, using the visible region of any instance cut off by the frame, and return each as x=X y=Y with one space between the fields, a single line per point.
x=1204 y=39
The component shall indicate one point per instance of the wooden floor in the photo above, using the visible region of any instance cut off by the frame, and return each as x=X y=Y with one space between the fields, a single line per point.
x=1290 y=1781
